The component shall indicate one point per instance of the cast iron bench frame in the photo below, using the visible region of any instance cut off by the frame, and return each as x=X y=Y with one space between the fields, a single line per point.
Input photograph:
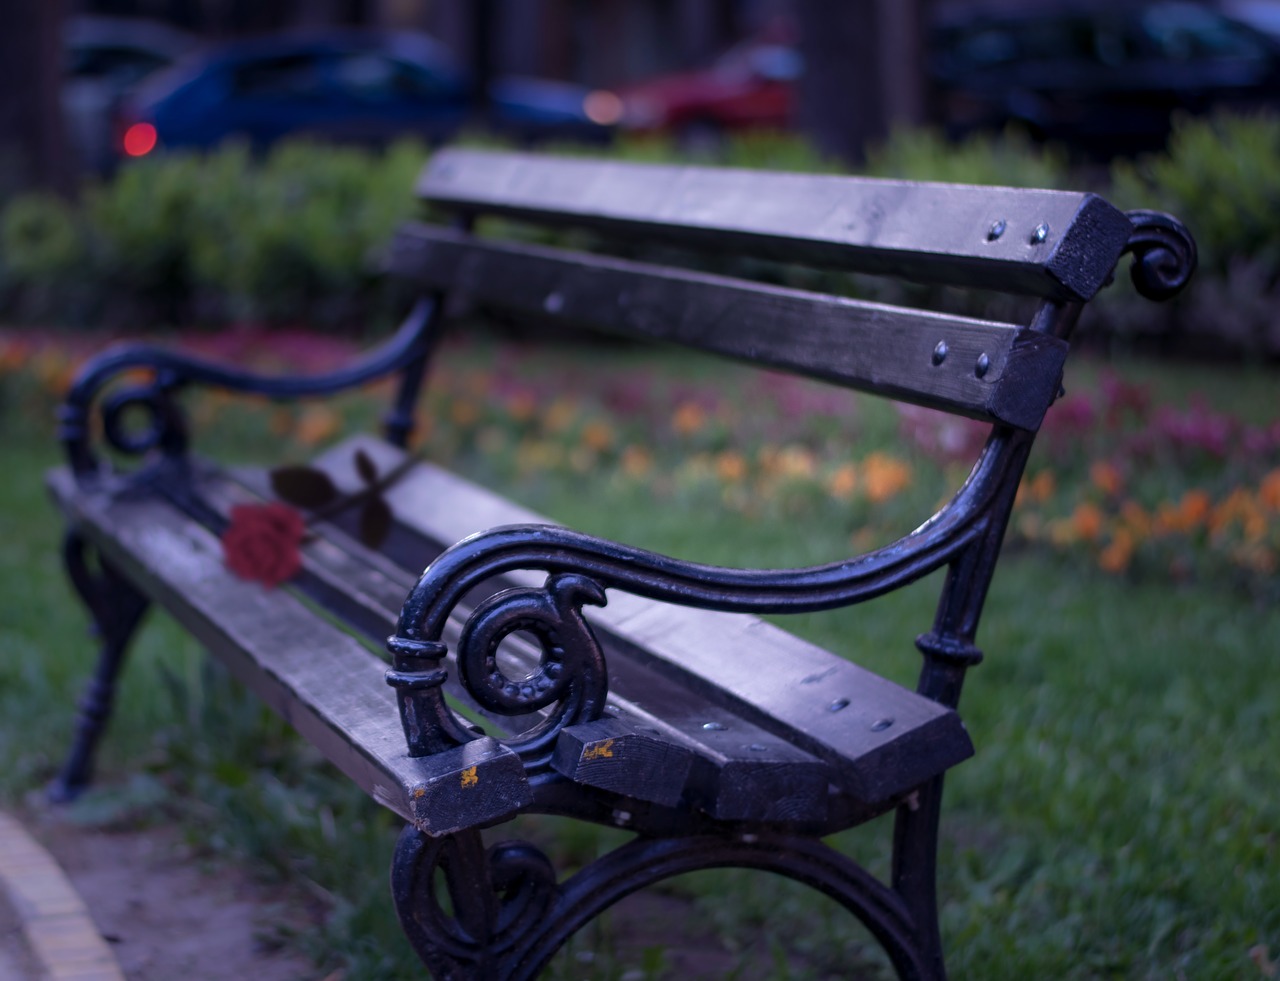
x=719 y=739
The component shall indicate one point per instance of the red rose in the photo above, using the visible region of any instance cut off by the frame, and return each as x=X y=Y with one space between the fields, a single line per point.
x=261 y=543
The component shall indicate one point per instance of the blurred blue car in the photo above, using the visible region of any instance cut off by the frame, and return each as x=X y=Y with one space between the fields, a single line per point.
x=364 y=87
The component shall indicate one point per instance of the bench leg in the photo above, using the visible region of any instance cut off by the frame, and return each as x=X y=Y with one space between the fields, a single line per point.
x=509 y=915
x=116 y=608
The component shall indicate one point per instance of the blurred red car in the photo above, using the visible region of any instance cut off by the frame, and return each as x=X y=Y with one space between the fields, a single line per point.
x=751 y=86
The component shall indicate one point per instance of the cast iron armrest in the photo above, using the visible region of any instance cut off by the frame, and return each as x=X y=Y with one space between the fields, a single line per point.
x=165 y=428
x=571 y=675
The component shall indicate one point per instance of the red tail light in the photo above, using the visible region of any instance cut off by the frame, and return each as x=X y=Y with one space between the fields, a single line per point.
x=139 y=139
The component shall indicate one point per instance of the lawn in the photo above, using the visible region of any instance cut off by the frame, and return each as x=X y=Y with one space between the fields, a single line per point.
x=1120 y=818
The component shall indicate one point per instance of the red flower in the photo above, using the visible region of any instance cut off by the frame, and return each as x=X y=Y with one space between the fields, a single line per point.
x=261 y=543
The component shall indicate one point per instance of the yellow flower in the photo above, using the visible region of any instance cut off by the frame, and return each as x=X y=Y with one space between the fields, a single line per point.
x=795 y=462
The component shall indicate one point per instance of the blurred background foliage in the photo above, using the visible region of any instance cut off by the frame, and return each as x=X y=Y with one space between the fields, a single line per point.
x=292 y=236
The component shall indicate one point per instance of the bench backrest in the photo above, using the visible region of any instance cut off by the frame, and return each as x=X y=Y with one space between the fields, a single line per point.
x=1058 y=246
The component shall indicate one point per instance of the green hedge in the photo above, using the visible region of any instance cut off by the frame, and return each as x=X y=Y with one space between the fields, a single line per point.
x=227 y=236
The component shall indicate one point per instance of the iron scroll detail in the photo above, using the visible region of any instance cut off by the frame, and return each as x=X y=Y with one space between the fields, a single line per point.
x=581 y=567
x=1164 y=254
x=163 y=427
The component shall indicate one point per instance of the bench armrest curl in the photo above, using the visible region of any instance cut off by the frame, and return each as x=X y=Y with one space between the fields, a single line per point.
x=571 y=674
x=165 y=428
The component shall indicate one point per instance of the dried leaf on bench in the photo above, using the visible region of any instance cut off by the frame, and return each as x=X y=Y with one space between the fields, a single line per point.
x=365 y=466
x=375 y=522
x=305 y=487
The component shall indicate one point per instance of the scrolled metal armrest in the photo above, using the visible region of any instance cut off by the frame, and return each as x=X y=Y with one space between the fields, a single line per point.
x=172 y=370
x=1164 y=254
x=582 y=567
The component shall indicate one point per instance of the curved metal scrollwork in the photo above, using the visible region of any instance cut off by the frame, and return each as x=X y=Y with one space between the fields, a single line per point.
x=1164 y=254
x=164 y=428
x=571 y=673
x=581 y=567
x=510 y=916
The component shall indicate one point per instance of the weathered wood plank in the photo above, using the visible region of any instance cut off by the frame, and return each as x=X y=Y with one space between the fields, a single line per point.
x=990 y=371
x=970 y=236
x=738 y=769
x=752 y=669
x=320 y=679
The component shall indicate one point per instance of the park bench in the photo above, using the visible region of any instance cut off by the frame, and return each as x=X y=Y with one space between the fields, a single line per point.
x=670 y=711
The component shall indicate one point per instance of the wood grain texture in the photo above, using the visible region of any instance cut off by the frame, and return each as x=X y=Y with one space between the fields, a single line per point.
x=935 y=232
x=758 y=673
x=738 y=773
x=316 y=676
x=917 y=356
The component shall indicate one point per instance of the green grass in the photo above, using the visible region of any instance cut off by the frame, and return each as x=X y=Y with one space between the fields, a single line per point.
x=1119 y=820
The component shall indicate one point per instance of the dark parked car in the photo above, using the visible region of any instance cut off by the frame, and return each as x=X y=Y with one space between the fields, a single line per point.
x=1103 y=77
x=345 y=86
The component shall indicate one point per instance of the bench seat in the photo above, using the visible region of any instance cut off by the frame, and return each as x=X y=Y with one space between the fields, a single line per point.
x=739 y=719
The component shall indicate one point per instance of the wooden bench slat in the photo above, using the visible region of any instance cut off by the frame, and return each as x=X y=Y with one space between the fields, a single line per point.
x=749 y=775
x=942 y=232
x=918 y=356
x=319 y=678
x=753 y=669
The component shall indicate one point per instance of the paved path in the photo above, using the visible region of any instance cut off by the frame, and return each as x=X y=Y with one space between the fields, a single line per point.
x=47 y=931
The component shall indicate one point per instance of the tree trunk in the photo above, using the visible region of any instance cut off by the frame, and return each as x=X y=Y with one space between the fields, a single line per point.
x=33 y=145
x=864 y=71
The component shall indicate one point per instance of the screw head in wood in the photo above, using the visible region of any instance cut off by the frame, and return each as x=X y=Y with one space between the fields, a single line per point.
x=1040 y=233
x=940 y=353
x=996 y=230
x=983 y=365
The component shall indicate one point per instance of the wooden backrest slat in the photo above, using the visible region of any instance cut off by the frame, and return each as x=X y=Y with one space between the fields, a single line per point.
x=990 y=371
x=1055 y=244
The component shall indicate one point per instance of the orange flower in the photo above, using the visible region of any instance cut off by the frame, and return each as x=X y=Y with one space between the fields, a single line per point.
x=842 y=482
x=1193 y=510
x=884 y=476
x=559 y=415
x=464 y=413
x=1086 y=521
x=317 y=423
x=597 y=436
x=688 y=418
x=636 y=461
x=1135 y=519
x=731 y=466
x=1106 y=477
x=521 y=407
x=1043 y=485
x=1115 y=558
x=1269 y=490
